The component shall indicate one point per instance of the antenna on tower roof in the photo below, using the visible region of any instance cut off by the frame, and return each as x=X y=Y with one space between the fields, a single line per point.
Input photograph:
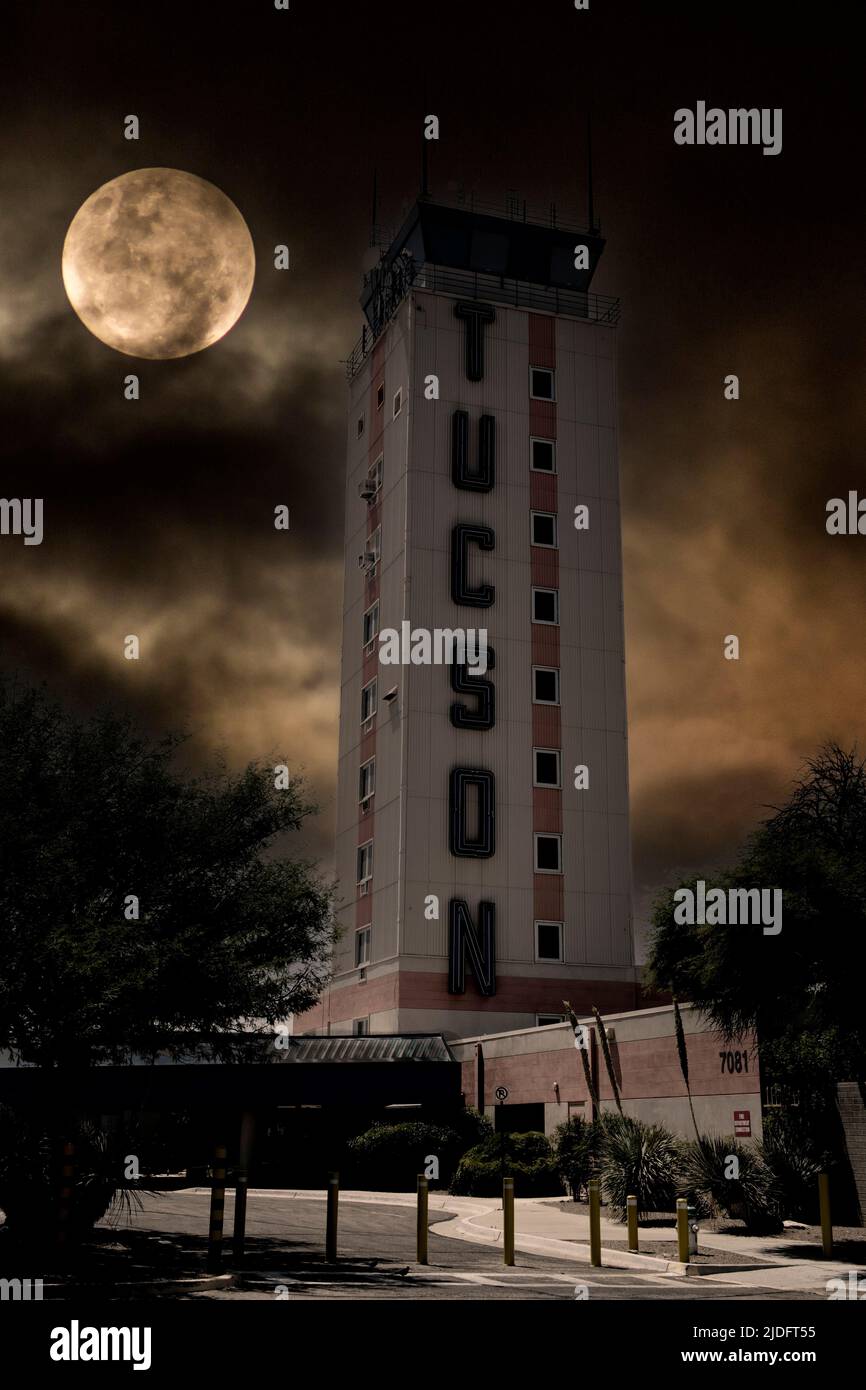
x=590 y=208
x=425 y=145
x=374 y=229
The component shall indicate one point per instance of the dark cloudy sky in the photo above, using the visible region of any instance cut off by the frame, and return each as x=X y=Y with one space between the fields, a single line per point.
x=158 y=514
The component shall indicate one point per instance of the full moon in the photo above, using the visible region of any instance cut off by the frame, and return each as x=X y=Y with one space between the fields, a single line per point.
x=158 y=263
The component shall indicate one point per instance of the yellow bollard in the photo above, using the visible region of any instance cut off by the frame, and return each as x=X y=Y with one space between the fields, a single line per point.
x=244 y=1154
x=826 y=1220
x=508 y=1220
x=217 y=1210
x=423 y=1188
x=631 y=1207
x=682 y=1230
x=331 y=1226
x=594 y=1222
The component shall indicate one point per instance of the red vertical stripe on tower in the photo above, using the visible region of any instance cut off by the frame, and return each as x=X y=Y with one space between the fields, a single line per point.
x=548 y=889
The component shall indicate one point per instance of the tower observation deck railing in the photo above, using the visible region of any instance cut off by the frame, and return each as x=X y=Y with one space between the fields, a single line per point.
x=519 y=294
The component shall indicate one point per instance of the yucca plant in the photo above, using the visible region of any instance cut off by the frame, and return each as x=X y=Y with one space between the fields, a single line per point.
x=30 y=1157
x=608 y=1059
x=789 y=1152
x=683 y=1055
x=584 y=1056
x=721 y=1176
x=638 y=1160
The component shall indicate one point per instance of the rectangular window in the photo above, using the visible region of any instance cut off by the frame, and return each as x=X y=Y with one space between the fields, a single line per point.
x=380 y=395
x=362 y=946
x=548 y=943
x=360 y=1027
x=371 y=623
x=542 y=455
x=398 y=402
x=548 y=854
x=545 y=685
x=541 y=384
x=365 y=862
x=367 y=780
x=375 y=473
x=545 y=605
x=544 y=1020
x=360 y=425
x=368 y=701
x=374 y=544
x=543 y=528
x=546 y=767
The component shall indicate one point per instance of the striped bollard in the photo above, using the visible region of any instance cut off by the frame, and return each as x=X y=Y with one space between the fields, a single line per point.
x=682 y=1230
x=217 y=1210
x=826 y=1219
x=421 y=1234
x=631 y=1204
x=594 y=1222
x=67 y=1184
x=331 y=1226
x=508 y=1220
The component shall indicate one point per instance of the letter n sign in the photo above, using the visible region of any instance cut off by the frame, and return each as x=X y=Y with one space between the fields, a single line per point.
x=463 y=938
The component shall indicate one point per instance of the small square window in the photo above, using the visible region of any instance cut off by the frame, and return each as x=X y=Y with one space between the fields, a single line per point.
x=542 y=457
x=545 y=685
x=543 y=529
x=541 y=384
x=545 y=605
x=380 y=395
x=368 y=701
x=360 y=425
x=362 y=946
x=548 y=942
x=398 y=402
x=546 y=770
x=367 y=780
x=548 y=854
x=365 y=862
x=360 y=1027
x=371 y=623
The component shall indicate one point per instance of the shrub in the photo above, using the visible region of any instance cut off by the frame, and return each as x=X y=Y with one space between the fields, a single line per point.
x=638 y=1160
x=527 y=1158
x=753 y=1196
x=388 y=1158
x=30 y=1172
x=472 y=1127
x=793 y=1159
x=577 y=1144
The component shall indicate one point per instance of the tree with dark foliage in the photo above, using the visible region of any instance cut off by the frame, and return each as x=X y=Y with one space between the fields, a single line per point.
x=801 y=990
x=138 y=903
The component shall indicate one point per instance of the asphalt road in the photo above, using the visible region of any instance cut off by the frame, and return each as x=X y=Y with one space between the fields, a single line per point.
x=376 y=1259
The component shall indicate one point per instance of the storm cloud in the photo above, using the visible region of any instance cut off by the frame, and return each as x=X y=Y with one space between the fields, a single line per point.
x=159 y=513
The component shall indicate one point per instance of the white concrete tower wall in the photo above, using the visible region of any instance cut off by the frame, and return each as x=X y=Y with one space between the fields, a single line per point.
x=397 y=979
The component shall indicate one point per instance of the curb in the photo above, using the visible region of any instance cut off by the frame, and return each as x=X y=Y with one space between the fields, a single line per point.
x=464 y=1228
x=196 y=1284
